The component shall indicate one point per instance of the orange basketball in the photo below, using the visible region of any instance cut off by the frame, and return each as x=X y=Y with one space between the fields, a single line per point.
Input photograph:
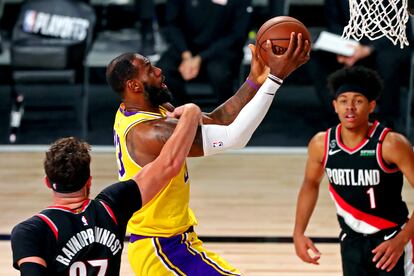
x=278 y=30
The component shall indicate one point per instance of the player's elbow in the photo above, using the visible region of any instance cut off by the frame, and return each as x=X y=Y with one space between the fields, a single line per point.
x=240 y=144
x=240 y=140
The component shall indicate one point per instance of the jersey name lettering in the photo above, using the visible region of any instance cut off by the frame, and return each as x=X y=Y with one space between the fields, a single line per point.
x=351 y=177
x=86 y=237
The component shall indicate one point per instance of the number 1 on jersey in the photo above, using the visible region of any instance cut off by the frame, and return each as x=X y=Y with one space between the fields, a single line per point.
x=371 y=194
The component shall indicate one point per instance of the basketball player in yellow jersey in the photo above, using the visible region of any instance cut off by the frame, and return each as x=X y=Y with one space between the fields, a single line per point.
x=163 y=241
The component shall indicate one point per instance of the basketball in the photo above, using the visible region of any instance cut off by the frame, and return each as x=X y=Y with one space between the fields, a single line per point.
x=278 y=30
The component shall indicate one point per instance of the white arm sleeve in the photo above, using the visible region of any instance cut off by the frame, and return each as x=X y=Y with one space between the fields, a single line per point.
x=218 y=138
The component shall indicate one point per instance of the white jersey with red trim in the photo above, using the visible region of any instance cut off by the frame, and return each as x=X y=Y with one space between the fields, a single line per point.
x=366 y=190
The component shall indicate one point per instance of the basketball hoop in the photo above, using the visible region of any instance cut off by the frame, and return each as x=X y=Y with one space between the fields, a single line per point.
x=378 y=18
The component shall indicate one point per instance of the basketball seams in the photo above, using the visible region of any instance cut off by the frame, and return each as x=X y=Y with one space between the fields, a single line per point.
x=275 y=24
x=262 y=45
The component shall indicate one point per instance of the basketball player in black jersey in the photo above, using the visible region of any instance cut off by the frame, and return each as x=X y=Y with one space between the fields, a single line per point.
x=80 y=236
x=365 y=163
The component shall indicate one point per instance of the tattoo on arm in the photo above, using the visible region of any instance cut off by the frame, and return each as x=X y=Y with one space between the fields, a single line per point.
x=163 y=136
x=145 y=141
x=227 y=112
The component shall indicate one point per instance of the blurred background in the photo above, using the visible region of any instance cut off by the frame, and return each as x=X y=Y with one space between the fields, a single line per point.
x=86 y=107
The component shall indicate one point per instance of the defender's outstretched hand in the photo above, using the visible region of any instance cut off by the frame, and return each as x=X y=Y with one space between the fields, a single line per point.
x=178 y=111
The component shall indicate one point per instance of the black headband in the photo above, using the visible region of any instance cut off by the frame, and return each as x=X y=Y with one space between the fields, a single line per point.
x=351 y=87
x=60 y=188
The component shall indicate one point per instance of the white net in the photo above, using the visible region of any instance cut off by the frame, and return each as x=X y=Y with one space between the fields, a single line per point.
x=377 y=18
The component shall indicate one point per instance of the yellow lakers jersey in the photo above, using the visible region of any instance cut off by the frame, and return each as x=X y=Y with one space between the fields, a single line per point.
x=168 y=213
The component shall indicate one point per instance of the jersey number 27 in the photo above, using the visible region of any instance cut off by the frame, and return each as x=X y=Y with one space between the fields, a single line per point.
x=79 y=268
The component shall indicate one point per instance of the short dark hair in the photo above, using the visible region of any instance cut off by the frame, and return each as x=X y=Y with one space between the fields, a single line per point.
x=119 y=70
x=364 y=80
x=67 y=164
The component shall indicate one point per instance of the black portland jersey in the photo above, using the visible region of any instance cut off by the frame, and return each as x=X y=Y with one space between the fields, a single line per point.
x=88 y=241
x=366 y=191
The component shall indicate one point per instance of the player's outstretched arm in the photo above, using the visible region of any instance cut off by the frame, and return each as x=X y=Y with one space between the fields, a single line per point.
x=281 y=66
x=215 y=138
x=155 y=175
x=396 y=149
x=308 y=196
x=218 y=138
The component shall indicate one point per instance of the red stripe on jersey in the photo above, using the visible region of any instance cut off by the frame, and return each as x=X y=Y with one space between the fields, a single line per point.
x=85 y=204
x=380 y=160
x=325 y=151
x=109 y=210
x=79 y=210
x=50 y=223
x=57 y=207
x=375 y=221
x=373 y=128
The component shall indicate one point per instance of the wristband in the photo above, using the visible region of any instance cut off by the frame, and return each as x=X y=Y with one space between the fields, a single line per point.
x=275 y=79
x=252 y=84
x=32 y=269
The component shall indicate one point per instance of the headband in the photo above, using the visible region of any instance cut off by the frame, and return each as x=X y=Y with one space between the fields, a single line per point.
x=60 y=188
x=351 y=87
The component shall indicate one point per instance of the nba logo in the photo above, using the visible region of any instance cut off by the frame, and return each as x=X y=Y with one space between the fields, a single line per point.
x=84 y=220
x=29 y=21
x=217 y=144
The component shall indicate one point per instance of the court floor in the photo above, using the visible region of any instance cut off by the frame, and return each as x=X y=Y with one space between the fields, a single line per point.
x=245 y=195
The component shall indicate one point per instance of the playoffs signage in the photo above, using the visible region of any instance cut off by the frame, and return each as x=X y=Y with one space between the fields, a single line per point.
x=54 y=25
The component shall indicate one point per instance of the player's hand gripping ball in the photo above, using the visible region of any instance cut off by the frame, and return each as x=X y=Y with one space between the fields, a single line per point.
x=278 y=30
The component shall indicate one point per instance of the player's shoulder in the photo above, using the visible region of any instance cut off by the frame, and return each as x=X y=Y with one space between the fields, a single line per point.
x=119 y=193
x=394 y=141
x=155 y=122
x=32 y=226
x=124 y=186
x=318 y=139
x=152 y=130
x=396 y=148
x=316 y=146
